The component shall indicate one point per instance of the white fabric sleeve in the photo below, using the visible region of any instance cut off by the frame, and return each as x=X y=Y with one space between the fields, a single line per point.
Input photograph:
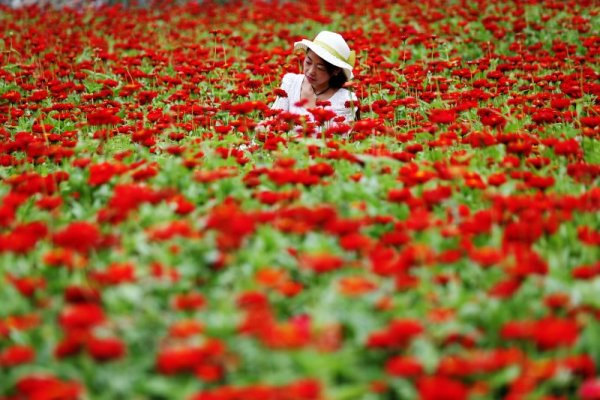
x=347 y=106
x=283 y=103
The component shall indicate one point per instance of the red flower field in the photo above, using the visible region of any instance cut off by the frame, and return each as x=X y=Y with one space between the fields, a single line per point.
x=156 y=244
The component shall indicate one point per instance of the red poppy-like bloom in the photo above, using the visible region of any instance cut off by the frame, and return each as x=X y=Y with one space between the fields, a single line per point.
x=73 y=343
x=16 y=355
x=551 y=332
x=105 y=349
x=232 y=224
x=103 y=117
x=81 y=316
x=23 y=238
x=292 y=334
x=321 y=263
x=36 y=387
x=115 y=274
x=586 y=271
x=26 y=285
x=173 y=360
x=185 y=328
x=356 y=285
x=321 y=115
x=81 y=294
x=101 y=173
x=505 y=288
x=546 y=333
x=304 y=389
x=12 y=96
x=404 y=366
x=80 y=236
x=440 y=116
x=588 y=236
x=49 y=202
x=590 y=389
x=491 y=117
x=189 y=301
x=397 y=334
x=399 y=195
x=441 y=388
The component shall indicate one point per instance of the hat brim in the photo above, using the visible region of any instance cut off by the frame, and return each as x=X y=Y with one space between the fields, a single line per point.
x=325 y=55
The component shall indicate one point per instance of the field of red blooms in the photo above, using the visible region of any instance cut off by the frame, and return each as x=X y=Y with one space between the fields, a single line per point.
x=154 y=244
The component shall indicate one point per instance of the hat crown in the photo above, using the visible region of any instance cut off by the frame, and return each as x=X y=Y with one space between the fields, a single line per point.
x=335 y=41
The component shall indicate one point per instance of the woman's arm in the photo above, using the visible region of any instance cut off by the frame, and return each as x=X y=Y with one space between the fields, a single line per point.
x=283 y=102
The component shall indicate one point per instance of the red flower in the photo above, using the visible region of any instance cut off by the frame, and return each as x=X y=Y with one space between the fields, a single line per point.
x=399 y=333
x=81 y=294
x=12 y=96
x=27 y=285
x=588 y=235
x=568 y=147
x=101 y=173
x=175 y=360
x=321 y=263
x=517 y=330
x=403 y=330
x=440 y=116
x=103 y=117
x=551 y=332
x=304 y=389
x=403 y=366
x=188 y=301
x=185 y=328
x=591 y=122
x=441 y=388
x=321 y=114
x=505 y=288
x=71 y=345
x=79 y=236
x=355 y=241
x=491 y=117
x=49 y=202
x=547 y=333
x=105 y=349
x=35 y=387
x=23 y=238
x=115 y=274
x=232 y=224
x=585 y=272
x=321 y=169
x=81 y=316
x=590 y=389
x=399 y=195
x=186 y=359
x=16 y=355
x=209 y=372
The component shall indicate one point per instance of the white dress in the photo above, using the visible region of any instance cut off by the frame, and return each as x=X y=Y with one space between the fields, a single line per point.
x=343 y=102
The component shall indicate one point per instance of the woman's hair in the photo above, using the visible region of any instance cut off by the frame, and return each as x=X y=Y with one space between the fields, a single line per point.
x=337 y=80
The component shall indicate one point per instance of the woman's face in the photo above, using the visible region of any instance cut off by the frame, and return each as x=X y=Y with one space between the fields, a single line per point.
x=315 y=70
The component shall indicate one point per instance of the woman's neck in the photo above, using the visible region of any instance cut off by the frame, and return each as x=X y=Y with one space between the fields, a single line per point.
x=319 y=90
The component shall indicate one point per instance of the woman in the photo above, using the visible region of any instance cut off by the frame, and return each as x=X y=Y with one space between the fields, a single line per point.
x=327 y=67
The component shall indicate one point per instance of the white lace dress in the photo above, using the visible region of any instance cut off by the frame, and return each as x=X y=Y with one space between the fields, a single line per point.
x=343 y=102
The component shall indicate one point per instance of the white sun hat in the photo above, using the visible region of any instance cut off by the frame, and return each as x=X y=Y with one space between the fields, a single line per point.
x=331 y=47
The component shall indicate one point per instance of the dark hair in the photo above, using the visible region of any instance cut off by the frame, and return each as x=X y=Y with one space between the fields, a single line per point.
x=337 y=80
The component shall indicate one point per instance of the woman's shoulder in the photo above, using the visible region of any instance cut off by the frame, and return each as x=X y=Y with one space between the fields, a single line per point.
x=343 y=92
x=343 y=95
